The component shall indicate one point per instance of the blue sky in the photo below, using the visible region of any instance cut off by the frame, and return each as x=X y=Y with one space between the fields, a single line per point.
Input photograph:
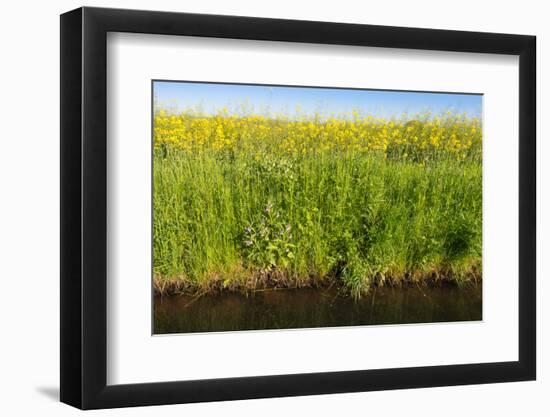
x=264 y=99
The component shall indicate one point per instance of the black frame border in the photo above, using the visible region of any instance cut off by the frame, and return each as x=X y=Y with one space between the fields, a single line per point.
x=84 y=207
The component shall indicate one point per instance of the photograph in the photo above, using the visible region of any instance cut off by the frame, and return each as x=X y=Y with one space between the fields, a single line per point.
x=292 y=207
x=267 y=206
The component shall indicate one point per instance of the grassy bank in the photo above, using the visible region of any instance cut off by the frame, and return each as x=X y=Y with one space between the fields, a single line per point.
x=250 y=202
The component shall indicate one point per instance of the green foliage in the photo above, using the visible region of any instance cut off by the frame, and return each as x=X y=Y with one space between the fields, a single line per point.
x=267 y=241
x=359 y=219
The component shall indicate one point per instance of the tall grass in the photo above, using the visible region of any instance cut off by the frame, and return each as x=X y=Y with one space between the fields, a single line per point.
x=294 y=203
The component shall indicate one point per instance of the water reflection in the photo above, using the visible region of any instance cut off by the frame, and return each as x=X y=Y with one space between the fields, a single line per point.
x=306 y=308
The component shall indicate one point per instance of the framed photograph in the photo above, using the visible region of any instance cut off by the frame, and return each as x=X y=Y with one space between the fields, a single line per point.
x=257 y=208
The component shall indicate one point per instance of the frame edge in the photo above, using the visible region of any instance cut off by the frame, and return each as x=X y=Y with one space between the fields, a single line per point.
x=70 y=204
x=527 y=332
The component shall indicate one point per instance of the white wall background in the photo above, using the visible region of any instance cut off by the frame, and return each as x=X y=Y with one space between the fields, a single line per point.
x=29 y=225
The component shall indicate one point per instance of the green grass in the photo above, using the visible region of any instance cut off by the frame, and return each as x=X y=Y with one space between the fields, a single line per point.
x=227 y=220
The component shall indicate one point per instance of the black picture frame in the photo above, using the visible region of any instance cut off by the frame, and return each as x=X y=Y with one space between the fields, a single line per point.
x=84 y=207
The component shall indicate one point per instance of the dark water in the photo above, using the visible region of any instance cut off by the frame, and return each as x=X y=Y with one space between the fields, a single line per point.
x=306 y=308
